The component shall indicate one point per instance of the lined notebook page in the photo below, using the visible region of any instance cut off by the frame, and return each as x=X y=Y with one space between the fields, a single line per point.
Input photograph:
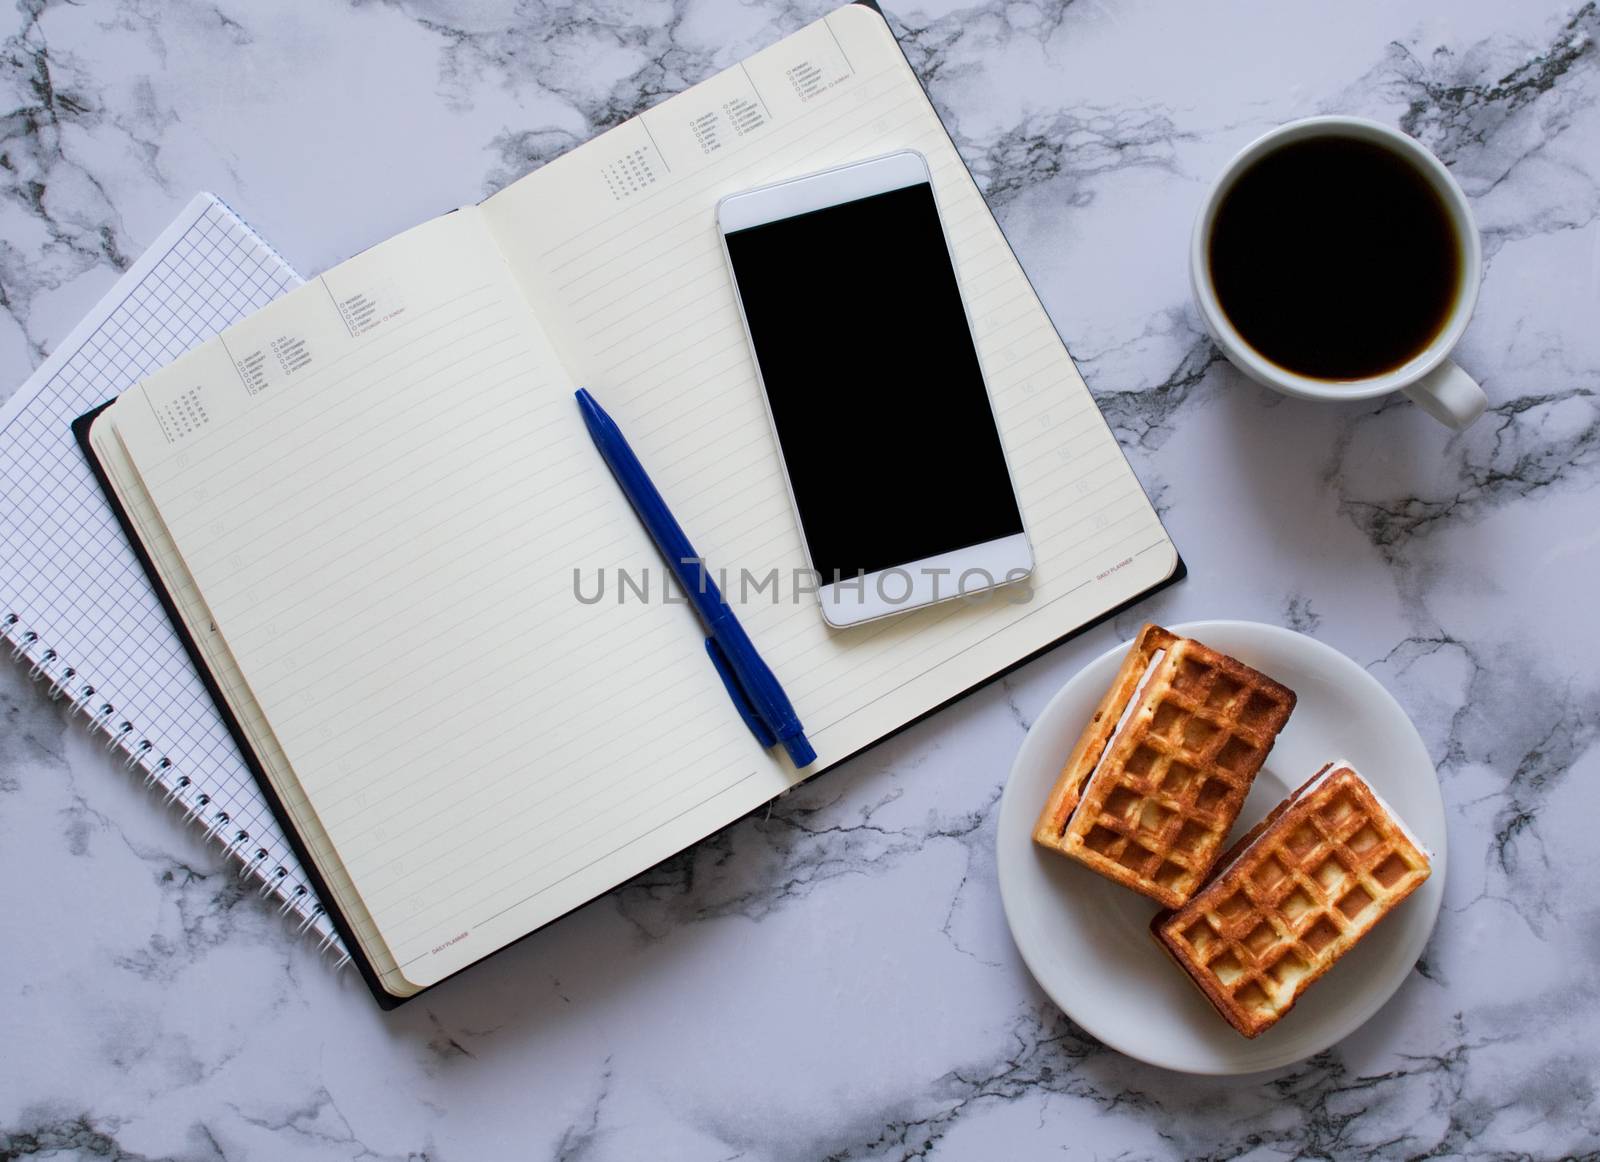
x=383 y=535
x=616 y=245
x=180 y=586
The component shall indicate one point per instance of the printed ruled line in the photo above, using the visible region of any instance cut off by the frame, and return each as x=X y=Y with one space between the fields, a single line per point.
x=336 y=308
x=828 y=24
x=645 y=125
x=602 y=857
x=766 y=110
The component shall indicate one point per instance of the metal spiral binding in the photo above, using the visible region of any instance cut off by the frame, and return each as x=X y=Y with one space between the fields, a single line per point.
x=299 y=903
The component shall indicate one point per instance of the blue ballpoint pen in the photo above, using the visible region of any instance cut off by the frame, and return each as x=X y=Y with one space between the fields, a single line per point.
x=751 y=684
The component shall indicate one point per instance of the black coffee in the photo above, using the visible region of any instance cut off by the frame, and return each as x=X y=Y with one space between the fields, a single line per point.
x=1335 y=258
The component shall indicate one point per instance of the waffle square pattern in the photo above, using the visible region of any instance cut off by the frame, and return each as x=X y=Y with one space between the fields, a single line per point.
x=1157 y=781
x=1294 y=895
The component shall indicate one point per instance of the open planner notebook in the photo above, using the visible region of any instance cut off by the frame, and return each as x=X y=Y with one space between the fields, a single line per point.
x=379 y=491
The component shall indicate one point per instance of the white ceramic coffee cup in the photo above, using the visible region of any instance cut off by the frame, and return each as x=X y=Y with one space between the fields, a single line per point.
x=1429 y=378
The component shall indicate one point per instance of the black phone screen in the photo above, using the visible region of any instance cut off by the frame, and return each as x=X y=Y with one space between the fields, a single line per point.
x=874 y=383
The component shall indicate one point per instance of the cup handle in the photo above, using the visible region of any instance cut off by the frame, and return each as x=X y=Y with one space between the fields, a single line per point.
x=1449 y=395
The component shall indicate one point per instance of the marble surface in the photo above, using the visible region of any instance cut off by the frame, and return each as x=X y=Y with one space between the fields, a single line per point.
x=833 y=978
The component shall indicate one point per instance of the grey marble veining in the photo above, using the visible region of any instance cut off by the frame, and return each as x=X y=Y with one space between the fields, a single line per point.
x=832 y=978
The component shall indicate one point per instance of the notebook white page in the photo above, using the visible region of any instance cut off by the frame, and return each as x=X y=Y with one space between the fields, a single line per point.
x=86 y=617
x=224 y=670
x=617 y=248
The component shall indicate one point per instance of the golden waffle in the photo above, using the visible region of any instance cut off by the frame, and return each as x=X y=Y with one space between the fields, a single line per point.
x=1154 y=813
x=1295 y=894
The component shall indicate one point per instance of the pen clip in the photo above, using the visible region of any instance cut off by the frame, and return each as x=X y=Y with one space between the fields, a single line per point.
x=741 y=701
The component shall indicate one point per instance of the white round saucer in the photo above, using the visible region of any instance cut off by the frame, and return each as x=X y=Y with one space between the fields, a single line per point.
x=1087 y=941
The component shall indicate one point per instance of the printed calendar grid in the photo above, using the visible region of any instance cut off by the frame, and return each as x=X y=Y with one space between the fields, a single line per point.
x=73 y=583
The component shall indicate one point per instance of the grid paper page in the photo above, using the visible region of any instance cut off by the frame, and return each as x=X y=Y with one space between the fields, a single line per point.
x=73 y=597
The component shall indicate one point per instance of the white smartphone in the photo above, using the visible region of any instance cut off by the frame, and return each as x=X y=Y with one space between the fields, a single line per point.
x=877 y=401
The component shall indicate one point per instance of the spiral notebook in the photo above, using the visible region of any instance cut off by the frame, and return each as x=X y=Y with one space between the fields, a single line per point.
x=371 y=501
x=76 y=606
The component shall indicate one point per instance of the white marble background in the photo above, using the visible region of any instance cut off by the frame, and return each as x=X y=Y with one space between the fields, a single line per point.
x=834 y=979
